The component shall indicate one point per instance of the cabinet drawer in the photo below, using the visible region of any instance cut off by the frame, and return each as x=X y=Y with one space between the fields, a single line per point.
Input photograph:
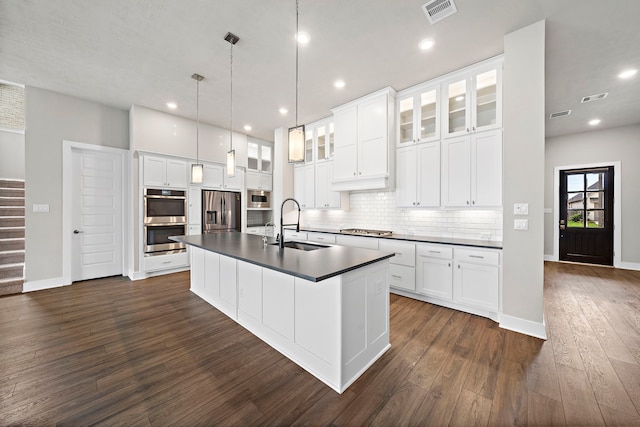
x=405 y=252
x=435 y=251
x=292 y=234
x=357 y=241
x=477 y=256
x=321 y=237
x=255 y=230
x=163 y=262
x=403 y=277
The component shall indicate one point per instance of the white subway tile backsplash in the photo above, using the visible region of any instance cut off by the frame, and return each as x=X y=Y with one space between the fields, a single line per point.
x=379 y=211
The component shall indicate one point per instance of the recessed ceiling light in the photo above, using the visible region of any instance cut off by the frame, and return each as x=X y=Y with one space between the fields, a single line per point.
x=426 y=44
x=339 y=83
x=460 y=98
x=172 y=105
x=283 y=110
x=302 y=37
x=594 y=122
x=247 y=128
x=627 y=74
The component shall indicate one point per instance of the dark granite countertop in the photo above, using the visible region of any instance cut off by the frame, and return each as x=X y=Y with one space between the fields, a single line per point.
x=489 y=244
x=313 y=265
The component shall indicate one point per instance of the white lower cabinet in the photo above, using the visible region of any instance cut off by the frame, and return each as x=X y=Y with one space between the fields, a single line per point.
x=434 y=272
x=295 y=235
x=228 y=288
x=249 y=291
x=477 y=278
x=321 y=237
x=402 y=272
x=165 y=262
x=278 y=302
x=357 y=241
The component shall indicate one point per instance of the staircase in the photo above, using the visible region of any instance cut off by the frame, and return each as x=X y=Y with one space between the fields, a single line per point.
x=11 y=236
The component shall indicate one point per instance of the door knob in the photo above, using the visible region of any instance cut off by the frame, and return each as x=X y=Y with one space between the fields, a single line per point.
x=77 y=231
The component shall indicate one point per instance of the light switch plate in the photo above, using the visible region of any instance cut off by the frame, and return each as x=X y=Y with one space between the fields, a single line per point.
x=521 y=208
x=41 y=208
x=520 y=224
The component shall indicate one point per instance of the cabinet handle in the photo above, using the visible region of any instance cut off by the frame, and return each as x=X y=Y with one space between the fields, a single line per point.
x=167 y=262
x=418 y=203
x=473 y=202
x=359 y=173
x=467 y=130
x=474 y=128
x=476 y=256
x=467 y=202
x=458 y=266
x=414 y=203
x=434 y=252
x=396 y=276
x=354 y=174
x=449 y=265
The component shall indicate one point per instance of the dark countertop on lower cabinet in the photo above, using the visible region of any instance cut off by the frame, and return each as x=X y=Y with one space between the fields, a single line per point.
x=488 y=244
x=313 y=265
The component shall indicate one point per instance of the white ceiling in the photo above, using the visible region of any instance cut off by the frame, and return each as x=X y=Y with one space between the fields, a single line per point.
x=124 y=52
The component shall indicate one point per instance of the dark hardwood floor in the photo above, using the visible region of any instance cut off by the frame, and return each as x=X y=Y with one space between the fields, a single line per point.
x=116 y=352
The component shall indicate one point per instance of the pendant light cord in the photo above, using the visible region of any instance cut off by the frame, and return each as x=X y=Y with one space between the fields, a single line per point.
x=197 y=120
x=297 y=42
x=231 y=102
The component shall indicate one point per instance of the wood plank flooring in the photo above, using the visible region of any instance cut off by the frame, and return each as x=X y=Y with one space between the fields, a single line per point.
x=150 y=353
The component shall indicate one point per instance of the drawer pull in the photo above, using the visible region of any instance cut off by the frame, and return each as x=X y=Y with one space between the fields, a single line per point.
x=399 y=253
x=476 y=256
x=396 y=276
x=167 y=262
x=434 y=252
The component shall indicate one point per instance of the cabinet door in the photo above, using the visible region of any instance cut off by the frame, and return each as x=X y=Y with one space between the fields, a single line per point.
x=154 y=172
x=487 y=99
x=253 y=156
x=321 y=142
x=228 y=287
x=477 y=285
x=335 y=200
x=373 y=138
x=266 y=153
x=456 y=175
x=265 y=182
x=298 y=184
x=309 y=199
x=428 y=174
x=346 y=140
x=212 y=276
x=213 y=176
x=176 y=173
x=456 y=104
x=308 y=145
x=195 y=206
x=253 y=180
x=197 y=275
x=406 y=176
x=250 y=290
x=428 y=115
x=233 y=182
x=278 y=302
x=434 y=277
x=486 y=169
x=322 y=185
x=357 y=241
x=406 y=113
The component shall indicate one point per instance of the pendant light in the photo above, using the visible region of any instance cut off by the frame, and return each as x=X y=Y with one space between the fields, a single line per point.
x=296 y=134
x=231 y=155
x=197 y=169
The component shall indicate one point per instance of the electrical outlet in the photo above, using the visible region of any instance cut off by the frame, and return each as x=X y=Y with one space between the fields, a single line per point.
x=41 y=208
x=521 y=208
x=520 y=224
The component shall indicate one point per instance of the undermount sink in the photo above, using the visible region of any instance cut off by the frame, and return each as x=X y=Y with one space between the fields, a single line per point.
x=302 y=246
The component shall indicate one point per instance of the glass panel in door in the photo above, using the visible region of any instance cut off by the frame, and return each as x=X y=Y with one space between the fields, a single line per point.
x=428 y=114
x=457 y=106
x=406 y=120
x=252 y=154
x=331 y=140
x=322 y=144
x=265 y=156
x=486 y=91
x=308 y=146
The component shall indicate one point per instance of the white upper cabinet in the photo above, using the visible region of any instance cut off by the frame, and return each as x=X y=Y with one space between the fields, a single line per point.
x=418 y=116
x=324 y=141
x=215 y=177
x=325 y=197
x=472 y=100
x=364 y=133
x=418 y=175
x=164 y=172
x=472 y=170
x=259 y=156
x=304 y=185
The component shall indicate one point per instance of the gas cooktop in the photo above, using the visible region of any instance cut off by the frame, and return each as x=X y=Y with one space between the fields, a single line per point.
x=365 y=232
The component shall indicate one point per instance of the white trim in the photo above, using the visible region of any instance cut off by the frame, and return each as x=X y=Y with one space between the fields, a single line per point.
x=523 y=326
x=6 y=82
x=629 y=265
x=617 y=208
x=9 y=130
x=551 y=257
x=38 y=285
x=67 y=201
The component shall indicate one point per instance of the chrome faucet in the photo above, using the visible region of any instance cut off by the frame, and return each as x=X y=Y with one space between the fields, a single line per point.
x=264 y=237
x=282 y=224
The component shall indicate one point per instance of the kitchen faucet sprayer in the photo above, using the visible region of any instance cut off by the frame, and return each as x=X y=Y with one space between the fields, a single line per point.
x=282 y=224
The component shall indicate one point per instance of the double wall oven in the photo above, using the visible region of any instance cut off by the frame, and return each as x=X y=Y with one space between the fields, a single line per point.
x=165 y=214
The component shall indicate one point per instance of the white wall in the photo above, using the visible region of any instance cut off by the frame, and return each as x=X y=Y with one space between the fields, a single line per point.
x=11 y=155
x=610 y=145
x=51 y=118
x=523 y=182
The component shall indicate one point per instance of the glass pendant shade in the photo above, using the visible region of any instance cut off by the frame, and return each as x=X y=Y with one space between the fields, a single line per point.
x=296 y=144
x=231 y=163
x=197 y=173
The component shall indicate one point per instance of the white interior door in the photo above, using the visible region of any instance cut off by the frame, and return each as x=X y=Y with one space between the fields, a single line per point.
x=96 y=249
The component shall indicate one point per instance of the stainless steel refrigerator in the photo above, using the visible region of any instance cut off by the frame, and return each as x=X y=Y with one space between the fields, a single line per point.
x=220 y=211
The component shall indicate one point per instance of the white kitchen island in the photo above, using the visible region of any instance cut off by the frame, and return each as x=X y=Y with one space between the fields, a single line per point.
x=327 y=309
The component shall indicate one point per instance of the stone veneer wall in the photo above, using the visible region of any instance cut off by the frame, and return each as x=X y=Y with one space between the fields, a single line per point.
x=11 y=107
x=378 y=210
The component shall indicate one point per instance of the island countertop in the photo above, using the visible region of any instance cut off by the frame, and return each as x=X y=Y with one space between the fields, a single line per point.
x=313 y=265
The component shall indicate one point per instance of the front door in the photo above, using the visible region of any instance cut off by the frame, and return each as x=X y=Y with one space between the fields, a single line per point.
x=96 y=249
x=586 y=215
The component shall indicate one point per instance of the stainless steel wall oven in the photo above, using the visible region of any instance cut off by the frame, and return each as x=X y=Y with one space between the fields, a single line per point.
x=165 y=214
x=156 y=239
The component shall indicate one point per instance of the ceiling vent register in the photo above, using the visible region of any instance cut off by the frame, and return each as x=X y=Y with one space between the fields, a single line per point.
x=437 y=10
x=594 y=97
x=559 y=114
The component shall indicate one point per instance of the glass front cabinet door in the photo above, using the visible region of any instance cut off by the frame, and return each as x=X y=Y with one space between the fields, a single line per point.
x=418 y=117
x=473 y=101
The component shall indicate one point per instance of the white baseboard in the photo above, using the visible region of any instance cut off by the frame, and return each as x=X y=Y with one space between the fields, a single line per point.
x=523 y=326
x=551 y=257
x=629 y=266
x=38 y=285
x=140 y=275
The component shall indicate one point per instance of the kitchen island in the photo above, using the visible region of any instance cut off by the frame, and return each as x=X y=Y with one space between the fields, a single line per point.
x=326 y=309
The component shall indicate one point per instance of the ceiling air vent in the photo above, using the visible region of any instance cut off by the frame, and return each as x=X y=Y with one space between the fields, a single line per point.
x=559 y=114
x=437 y=10
x=594 y=97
